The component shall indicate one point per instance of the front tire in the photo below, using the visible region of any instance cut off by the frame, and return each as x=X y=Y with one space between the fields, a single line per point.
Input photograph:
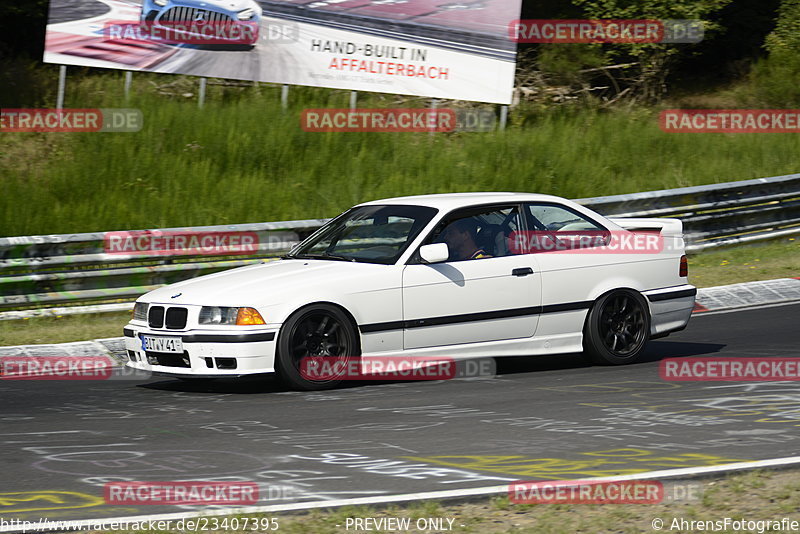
x=318 y=331
x=617 y=328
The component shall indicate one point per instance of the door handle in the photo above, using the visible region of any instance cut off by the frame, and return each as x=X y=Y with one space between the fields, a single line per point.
x=522 y=271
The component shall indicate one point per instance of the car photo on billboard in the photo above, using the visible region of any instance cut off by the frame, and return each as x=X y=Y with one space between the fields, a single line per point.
x=214 y=23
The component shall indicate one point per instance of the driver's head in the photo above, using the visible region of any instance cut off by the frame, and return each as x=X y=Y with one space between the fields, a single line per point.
x=460 y=232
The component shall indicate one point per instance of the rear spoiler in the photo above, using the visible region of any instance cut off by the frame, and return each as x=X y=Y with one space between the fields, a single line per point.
x=665 y=226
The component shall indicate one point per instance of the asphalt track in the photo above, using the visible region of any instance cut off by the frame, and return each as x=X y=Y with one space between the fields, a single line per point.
x=543 y=418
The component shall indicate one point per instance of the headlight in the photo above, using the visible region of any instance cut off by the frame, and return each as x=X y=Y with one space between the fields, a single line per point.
x=140 y=311
x=161 y=3
x=245 y=14
x=229 y=316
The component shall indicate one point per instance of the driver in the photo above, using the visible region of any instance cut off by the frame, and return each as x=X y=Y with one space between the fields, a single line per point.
x=460 y=236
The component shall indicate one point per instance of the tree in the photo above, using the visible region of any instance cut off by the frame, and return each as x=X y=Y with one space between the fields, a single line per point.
x=22 y=27
x=775 y=78
x=652 y=60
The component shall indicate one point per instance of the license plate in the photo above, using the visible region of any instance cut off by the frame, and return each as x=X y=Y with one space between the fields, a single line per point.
x=162 y=344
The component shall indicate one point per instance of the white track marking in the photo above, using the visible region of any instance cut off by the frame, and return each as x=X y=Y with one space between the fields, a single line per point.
x=406 y=497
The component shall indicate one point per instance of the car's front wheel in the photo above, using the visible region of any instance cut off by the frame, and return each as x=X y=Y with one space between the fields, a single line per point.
x=617 y=328
x=312 y=337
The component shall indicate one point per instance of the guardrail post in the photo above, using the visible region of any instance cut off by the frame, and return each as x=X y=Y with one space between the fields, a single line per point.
x=434 y=106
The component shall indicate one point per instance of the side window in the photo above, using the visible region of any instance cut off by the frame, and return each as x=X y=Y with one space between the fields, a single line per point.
x=558 y=228
x=478 y=233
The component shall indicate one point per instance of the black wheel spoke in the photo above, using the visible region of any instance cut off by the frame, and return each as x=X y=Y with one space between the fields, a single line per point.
x=333 y=329
x=322 y=324
x=621 y=325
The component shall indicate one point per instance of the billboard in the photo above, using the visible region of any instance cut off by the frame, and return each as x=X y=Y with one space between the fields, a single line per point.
x=453 y=49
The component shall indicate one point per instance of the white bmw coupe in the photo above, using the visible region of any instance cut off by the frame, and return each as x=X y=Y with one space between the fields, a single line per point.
x=469 y=275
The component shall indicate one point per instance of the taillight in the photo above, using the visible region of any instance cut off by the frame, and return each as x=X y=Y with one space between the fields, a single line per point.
x=684 y=270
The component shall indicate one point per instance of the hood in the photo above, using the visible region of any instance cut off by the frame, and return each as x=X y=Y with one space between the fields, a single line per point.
x=270 y=283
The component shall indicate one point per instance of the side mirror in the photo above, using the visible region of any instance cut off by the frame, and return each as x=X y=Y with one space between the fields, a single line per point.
x=434 y=253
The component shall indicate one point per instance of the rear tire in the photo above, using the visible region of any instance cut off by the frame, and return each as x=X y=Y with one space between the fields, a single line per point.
x=316 y=331
x=617 y=328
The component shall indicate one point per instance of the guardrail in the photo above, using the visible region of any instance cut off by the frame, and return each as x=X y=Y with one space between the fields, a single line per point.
x=48 y=271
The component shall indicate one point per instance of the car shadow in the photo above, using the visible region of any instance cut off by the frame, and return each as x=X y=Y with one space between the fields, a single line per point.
x=246 y=385
x=508 y=365
x=658 y=350
x=654 y=351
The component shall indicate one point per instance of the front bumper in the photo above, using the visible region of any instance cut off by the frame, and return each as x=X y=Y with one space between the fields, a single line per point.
x=206 y=353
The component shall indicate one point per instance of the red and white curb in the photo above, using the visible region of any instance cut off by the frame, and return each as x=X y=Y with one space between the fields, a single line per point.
x=111 y=348
x=747 y=295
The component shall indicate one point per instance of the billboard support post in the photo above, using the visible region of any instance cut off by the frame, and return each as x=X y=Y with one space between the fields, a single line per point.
x=201 y=101
x=434 y=105
x=284 y=96
x=503 y=117
x=62 y=82
x=353 y=99
x=128 y=81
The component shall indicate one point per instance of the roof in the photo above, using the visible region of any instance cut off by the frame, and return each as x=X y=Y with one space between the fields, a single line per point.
x=449 y=201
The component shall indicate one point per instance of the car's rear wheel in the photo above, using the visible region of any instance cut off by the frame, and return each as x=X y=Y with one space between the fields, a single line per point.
x=617 y=328
x=311 y=337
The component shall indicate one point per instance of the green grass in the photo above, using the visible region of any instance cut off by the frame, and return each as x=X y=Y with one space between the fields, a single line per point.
x=754 y=496
x=774 y=259
x=62 y=329
x=244 y=159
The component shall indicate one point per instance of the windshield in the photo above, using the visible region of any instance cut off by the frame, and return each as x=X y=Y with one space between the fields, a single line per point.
x=371 y=234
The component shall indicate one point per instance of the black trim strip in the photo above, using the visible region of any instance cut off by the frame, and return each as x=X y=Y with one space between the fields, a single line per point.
x=380 y=327
x=240 y=338
x=567 y=306
x=127 y=332
x=471 y=317
x=673 y=295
